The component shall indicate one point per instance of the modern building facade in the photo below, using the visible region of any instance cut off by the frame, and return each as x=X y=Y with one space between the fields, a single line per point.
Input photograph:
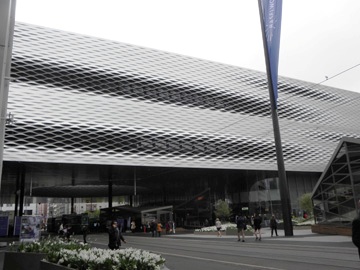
x=336 y=196
x=161 y=127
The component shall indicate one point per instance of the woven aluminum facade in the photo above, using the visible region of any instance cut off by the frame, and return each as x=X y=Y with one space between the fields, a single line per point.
x=80 y=99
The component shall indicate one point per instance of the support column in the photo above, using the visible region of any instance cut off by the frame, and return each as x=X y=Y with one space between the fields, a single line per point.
x=73 y=184
x=110 y=195
x=7 y=23
x=134 y=197
x=17 y=187
x=22 y=189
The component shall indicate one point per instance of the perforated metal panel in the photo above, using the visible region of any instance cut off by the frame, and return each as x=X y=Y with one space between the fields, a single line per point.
x=80 y=99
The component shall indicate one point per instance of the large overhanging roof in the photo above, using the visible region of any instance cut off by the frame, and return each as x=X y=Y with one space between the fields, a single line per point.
x=79 y=99
x=84 y=191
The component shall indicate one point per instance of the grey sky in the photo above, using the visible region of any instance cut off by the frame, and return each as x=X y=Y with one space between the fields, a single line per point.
x=319 y=38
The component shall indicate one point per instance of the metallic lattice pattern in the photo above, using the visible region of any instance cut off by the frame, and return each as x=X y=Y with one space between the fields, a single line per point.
x=80 y=99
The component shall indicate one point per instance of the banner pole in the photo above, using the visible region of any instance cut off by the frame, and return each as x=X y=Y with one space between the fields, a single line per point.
x=283 y=184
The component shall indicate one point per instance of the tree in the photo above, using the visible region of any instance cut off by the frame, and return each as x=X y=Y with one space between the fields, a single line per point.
x=222 y=210
x=306 y=203
x=93 y=214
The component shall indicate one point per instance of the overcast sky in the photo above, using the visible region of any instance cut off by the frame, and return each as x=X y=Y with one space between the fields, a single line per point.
x=319 y=38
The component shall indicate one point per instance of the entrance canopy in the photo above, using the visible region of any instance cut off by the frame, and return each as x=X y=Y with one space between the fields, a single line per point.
x=336 y=196
x=141 y=214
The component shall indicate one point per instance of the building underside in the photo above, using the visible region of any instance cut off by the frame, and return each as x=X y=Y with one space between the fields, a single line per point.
x=167 y=128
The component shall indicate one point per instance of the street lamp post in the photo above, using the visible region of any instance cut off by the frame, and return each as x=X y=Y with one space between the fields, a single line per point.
x=7 y=24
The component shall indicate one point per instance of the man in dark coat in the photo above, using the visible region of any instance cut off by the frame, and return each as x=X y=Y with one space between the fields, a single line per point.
x=85 y=230
x=241 y=227
x=356 y=233
x=257 y=227
x=115 y=236
x=153 y=228
x=273 y=225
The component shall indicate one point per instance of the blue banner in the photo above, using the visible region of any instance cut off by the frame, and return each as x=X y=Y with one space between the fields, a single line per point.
x=4 y=225
x=271 y=20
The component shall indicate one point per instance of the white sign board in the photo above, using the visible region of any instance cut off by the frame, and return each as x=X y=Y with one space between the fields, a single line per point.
x=30 y=229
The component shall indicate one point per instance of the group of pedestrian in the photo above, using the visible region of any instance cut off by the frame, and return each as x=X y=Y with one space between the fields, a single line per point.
x=115 y=236
x=64 y=231
x=256 y=221
x=241 y=224
x=156 y=228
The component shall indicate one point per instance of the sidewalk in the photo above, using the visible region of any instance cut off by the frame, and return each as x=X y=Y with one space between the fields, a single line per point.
x=300 y=235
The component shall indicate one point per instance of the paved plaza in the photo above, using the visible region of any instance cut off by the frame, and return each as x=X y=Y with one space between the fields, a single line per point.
x=305 y=250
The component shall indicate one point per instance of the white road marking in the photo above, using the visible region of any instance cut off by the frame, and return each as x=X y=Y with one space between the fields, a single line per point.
x=219 y=261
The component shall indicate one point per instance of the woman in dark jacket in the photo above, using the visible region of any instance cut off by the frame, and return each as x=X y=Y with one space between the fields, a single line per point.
x=115 y=236
x=356 y=233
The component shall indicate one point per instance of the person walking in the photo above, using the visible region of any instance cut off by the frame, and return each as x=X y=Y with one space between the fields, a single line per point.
x=273 y=225
x=206 y=223
x=159 y=228
x=67 y=232
x=167 y=227
x=257 y=227
x=356 y=233
x=153 y=228
x=85 y=230
x=61 y=229
x=115 y=236
x=218 y=227
x=133 y=226
x=173 y=226
x=241 y=227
